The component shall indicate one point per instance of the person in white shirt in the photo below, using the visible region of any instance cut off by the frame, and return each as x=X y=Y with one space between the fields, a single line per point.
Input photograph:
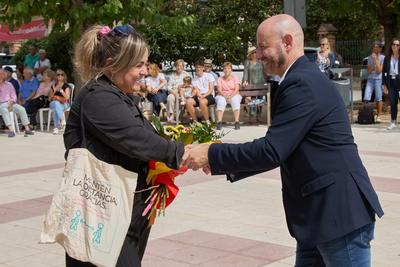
x=204 y=82
x=41 y=65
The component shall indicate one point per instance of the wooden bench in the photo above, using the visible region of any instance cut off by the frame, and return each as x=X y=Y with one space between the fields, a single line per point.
x=258 y=90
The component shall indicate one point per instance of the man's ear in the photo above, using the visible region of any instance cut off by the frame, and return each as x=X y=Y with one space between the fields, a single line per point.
x=287 y=41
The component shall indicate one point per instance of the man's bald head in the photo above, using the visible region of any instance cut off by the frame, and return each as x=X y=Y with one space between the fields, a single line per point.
x=281 y=25
x=280 y=42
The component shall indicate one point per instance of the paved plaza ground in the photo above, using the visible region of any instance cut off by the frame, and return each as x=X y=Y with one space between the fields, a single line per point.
x=211 y=223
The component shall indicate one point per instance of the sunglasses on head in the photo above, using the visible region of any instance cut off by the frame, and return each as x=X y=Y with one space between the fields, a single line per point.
x=124 y=30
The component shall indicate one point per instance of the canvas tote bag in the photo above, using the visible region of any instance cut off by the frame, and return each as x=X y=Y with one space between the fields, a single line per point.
x=91 y=211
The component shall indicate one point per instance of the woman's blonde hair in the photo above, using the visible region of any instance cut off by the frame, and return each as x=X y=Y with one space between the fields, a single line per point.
x=123 y=45
x=50 y=73
x=63 y=73
x=328 y=47
x=154 y=70
x=227 y=63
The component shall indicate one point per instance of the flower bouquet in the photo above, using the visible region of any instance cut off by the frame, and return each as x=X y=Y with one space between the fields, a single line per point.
x=160 y=177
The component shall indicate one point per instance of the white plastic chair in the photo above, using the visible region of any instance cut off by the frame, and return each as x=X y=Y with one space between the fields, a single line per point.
x=48 y=110
x=14 y=122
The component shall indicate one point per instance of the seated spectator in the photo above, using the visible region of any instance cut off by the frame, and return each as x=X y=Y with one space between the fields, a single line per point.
x=10 y=78
x=208 y=68
x=253 y=74
x=28 y=87
x=175 y=80
x=58 y=97
x=40 y=100
x=41 y=65
x=8 y=103
x=204 y=83
x=155 y=84
x=187 y=90
x=228 y=93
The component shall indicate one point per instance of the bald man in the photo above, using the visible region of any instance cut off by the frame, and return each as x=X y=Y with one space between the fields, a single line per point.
x=329 y=202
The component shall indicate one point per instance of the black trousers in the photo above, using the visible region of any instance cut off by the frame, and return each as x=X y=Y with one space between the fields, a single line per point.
x=393 y=89
x=32 y=107
x=135 y=241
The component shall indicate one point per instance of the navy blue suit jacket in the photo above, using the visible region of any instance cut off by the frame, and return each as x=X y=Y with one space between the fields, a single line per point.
x=326 y=189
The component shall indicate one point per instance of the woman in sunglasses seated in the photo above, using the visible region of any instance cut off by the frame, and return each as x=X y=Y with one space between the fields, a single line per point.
x=59 y=95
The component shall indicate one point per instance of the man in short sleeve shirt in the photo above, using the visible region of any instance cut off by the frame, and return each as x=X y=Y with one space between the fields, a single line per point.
x=204 y=82
x=374 y=81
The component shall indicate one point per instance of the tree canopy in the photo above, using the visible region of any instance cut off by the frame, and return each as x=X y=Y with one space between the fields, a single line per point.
x=191 y=29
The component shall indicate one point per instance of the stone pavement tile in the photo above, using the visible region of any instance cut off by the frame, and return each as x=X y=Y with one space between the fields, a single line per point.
x=10 y=252
x=234 y=260
x=384 y=256
x=40 y=168
x=194 y=237
x=44 y=259
x=384 y=184
x=212 y=249
x=7 y=215
x=269 y=251
x=195 y=255
x=162 y=246
x=230 y=243
x=277 y=264
x=7 y=197
x=289 y=260
x=195 y=178
x=153 y=261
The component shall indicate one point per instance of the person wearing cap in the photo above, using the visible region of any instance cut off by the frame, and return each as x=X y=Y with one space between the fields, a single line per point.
x=253 y=74
x=9 y=71
x=41 y=65
x=208 y=66
x=32 y=57
x=374 y=81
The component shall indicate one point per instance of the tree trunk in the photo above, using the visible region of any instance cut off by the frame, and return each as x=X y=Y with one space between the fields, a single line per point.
x=389 y=22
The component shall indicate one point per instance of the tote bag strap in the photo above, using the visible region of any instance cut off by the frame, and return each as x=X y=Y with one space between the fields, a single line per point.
x=83 y=132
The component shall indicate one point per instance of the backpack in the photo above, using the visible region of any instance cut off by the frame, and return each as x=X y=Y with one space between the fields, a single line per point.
x=366 y=115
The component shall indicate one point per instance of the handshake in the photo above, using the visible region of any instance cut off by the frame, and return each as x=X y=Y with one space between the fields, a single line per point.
x=196 y=157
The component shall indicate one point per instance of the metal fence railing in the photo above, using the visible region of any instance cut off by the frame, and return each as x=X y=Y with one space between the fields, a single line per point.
x=352 y=51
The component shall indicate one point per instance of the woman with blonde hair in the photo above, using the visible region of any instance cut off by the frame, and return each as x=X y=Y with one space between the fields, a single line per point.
x=59 y=95
x=325 y=58
x=40 y=100
x=105 y=117
x=155 y=84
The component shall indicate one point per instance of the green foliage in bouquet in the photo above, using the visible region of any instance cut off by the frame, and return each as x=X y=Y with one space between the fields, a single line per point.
x=196 y=133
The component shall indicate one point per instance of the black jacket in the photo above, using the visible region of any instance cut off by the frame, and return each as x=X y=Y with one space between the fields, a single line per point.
x=326 y=190
x=117 y=133
x=386 y=72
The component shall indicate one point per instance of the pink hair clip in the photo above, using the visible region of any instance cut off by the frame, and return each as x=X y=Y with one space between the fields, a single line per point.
x=104 y=30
